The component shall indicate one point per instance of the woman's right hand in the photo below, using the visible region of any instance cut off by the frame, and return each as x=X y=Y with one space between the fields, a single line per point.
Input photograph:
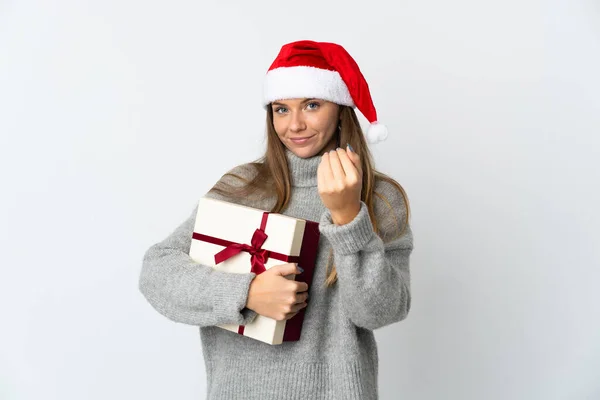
x=277 y=297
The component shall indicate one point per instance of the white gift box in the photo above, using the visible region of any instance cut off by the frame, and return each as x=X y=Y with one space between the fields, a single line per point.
x=222 y=225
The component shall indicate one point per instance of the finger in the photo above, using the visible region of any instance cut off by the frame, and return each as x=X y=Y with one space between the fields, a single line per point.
x=349 y=167
x=290 y=315
x=327 y=173
x=336 y=166
x=298 y=307
x=300 y=286
x=355 y=159
x=301 y=297
x=295 y=309
x=285 y=269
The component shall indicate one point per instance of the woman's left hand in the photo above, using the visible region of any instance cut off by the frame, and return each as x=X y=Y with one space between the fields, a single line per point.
x=340 y=184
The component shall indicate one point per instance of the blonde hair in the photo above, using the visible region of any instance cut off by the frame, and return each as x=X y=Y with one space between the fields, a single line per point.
x=273 y=177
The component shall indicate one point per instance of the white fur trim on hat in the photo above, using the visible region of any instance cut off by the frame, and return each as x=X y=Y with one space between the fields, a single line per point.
x=305 y=82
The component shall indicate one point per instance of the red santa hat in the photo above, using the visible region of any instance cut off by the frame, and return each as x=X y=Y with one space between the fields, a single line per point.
x=307 y=69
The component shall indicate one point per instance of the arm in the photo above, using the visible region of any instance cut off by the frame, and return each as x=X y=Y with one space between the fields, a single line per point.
x=374 y=276
x=187 y=292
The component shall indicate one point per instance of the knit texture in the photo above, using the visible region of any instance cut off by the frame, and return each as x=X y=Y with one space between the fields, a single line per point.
x=337 y=356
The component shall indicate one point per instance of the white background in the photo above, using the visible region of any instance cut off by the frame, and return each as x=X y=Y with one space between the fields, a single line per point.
x=115 y=116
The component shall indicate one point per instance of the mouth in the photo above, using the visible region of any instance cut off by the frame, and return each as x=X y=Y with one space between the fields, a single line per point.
x=301 y=140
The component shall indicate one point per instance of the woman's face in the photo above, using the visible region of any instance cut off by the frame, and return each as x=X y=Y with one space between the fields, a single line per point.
x=306 y=126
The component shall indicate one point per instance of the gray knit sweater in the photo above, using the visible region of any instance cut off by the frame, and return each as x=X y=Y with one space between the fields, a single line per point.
x=336 y=357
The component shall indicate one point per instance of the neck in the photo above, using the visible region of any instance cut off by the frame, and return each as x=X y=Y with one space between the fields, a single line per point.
x=303 y=171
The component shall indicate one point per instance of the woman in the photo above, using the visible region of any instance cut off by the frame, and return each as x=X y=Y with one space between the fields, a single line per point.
x=361 y=280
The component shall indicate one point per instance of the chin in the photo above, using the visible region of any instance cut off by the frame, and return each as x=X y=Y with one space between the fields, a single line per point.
x=304 y=152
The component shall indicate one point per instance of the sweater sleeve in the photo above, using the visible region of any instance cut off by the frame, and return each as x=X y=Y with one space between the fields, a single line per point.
x=187 y=292
x=373 y=274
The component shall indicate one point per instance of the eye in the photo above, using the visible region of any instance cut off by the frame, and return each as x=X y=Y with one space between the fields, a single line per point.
x=313 y=105
x=280 y=110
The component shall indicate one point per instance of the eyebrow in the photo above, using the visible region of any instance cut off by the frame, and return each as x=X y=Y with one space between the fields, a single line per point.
x=276 y=103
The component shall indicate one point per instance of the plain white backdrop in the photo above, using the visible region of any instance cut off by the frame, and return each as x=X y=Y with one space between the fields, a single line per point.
x=115 y=116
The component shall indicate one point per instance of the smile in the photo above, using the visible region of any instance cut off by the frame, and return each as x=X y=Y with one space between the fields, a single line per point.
x=301 y=140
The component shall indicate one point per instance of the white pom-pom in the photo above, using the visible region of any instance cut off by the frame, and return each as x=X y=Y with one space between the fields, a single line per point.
x=377 y=133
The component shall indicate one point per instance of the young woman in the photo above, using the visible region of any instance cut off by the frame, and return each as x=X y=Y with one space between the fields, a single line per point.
x=317 y=166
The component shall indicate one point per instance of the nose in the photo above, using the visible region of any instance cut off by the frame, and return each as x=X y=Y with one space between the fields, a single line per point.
x=297 y=123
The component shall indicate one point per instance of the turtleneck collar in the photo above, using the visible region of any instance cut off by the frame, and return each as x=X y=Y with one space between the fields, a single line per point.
x=303 y=171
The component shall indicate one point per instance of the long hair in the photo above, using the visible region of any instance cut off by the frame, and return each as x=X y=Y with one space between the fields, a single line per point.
x=272 y=176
